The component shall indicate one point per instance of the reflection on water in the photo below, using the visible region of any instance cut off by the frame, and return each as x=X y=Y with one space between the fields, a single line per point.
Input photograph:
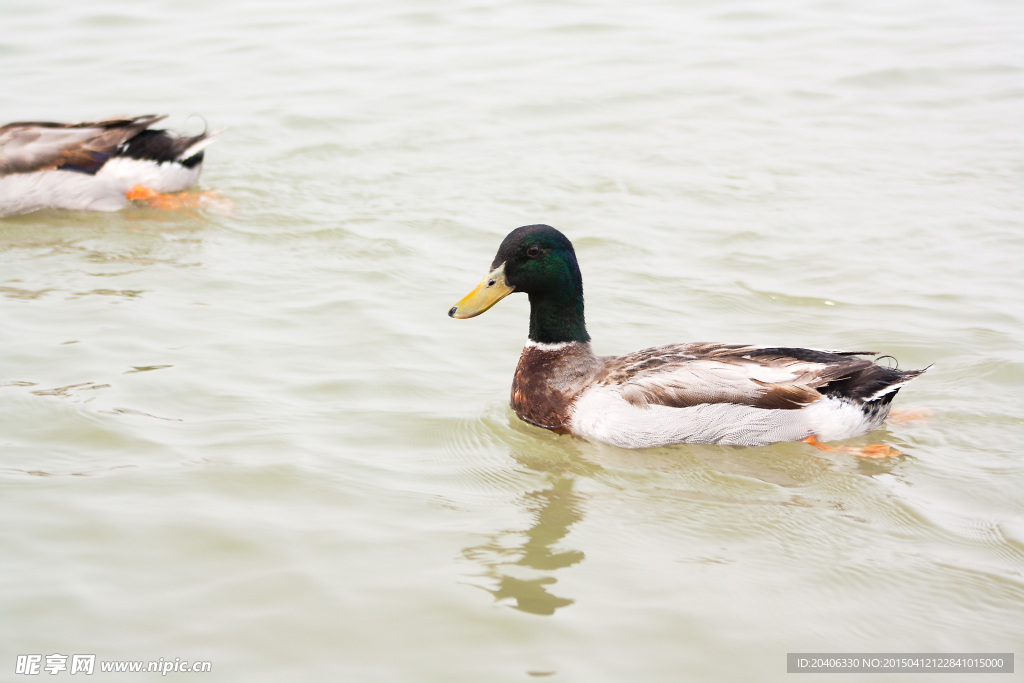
x=520 y=566
x=72 y=390
x=523 y=562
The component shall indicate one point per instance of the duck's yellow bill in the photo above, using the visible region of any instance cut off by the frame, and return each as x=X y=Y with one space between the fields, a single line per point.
x=490 y=291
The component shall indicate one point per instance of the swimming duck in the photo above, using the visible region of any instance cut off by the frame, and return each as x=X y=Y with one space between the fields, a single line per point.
x=98 y=166
x=678 y=393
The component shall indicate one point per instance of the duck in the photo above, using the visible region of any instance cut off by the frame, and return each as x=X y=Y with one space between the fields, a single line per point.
x=698 y=392
x=95 y=166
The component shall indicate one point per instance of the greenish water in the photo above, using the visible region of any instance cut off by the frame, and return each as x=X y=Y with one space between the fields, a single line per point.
x=251 y=435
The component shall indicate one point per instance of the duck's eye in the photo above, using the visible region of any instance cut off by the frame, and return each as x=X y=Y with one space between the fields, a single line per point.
x=533 y=251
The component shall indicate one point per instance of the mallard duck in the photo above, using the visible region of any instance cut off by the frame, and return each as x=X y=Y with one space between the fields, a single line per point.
x=98 y=166
x=679 y=393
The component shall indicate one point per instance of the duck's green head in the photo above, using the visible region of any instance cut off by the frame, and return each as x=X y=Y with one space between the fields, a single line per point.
x=540 y=261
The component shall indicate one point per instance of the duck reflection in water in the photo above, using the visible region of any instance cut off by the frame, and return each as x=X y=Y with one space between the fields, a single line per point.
x=555 y=510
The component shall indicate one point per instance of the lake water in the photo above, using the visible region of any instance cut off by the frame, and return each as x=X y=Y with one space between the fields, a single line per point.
x=250 y=434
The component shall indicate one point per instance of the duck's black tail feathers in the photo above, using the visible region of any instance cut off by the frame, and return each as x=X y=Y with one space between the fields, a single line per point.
x=164 y=145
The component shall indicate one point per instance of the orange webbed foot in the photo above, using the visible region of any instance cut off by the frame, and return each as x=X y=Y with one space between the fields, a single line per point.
x=181 y=200
x=902 y=416
x=880 y=450
x=139 y=193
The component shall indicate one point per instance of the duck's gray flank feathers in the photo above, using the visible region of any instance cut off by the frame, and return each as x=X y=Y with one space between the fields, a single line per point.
x=684 y=375
x=29 y=146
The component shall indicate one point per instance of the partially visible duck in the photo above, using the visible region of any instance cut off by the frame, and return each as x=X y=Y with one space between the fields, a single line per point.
x=98 y=166
x=679 y=393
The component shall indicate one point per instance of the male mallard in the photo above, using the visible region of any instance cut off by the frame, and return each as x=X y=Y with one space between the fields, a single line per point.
x=678 y=393
x=98 y=166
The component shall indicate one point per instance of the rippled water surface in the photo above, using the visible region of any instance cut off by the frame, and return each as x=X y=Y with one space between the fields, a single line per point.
x=249 y=433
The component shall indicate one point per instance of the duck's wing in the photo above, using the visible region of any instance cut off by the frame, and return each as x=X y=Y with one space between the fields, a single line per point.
x=38 y=146
x=684 y=375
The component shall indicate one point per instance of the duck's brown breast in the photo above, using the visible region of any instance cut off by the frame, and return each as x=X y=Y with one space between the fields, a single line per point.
x=547 y=381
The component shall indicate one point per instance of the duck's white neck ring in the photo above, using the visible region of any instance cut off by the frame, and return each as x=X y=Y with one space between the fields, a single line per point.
x=541 y=346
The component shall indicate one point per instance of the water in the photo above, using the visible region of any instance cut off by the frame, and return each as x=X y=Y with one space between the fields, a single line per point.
x=252 y=436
